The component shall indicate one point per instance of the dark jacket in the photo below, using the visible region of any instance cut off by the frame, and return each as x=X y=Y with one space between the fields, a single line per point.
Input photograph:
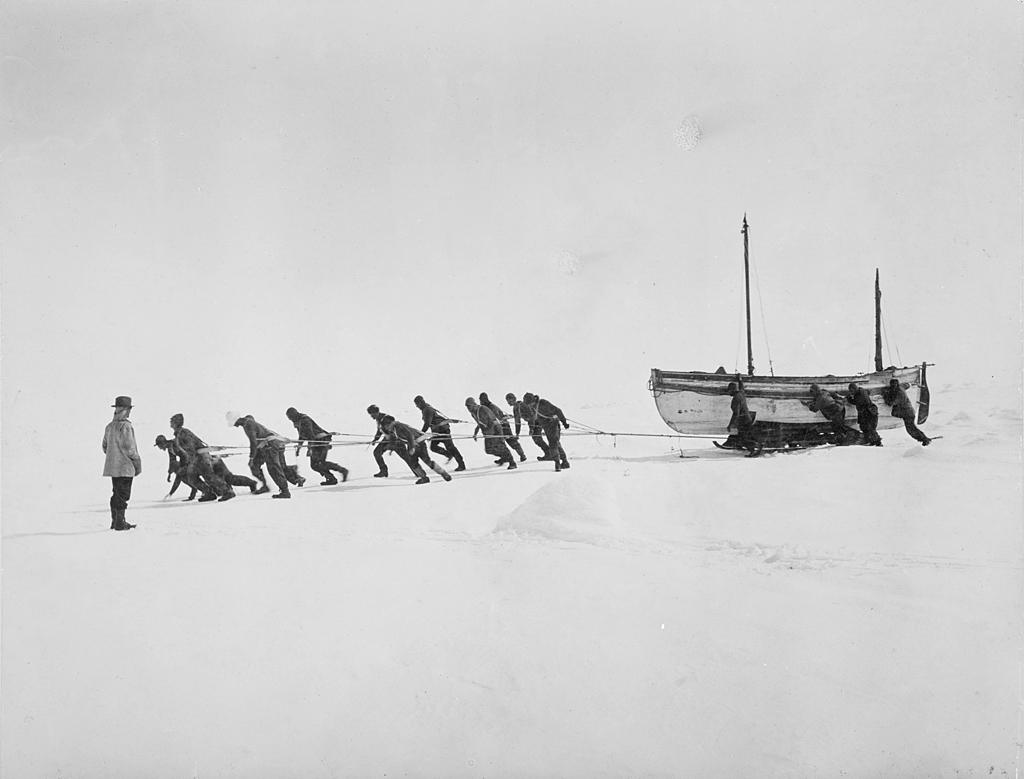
x=517 y=415
x=434 y=420
x=405 y=434
x=827 y=403
x=486 y=421
x=259 y=435
x=547 y=411
x=188 y=442
x=308 y=430
x=500 y=415
x=862 y=400
x=381 y=432
x=897 y=398
x=740 y=412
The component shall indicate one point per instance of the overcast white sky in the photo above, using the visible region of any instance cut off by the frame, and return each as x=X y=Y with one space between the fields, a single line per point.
x=256 y=205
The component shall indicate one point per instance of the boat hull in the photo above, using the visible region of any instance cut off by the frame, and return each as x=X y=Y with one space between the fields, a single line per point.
x=695 y=403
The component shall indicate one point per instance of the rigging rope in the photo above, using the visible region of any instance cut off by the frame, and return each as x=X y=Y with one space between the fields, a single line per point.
x=885 y=335
x=764 y=327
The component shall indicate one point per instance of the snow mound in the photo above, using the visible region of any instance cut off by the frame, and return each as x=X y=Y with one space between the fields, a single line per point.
x=581 y=509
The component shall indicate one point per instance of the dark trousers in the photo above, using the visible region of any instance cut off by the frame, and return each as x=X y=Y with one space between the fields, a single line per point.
x=512 y=441
x=745 y=433
x=419 y=453
x=222 y=470
x=274 y=458
x=181 y=477
x=867 y=420
x=122 y=492
x=401 y=451
x=291 y=472
x=318 y=460
x=441 y=443
x=915 y=432
x=837 y=419
x=553 y=431
x=536 y=434
x=200 y=466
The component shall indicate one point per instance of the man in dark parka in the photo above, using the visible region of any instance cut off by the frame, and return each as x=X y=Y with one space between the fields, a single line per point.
x=895 y=396
x=494 y=436
x=506 y=428
x=440 y=426
x=551 y=420
x=318 y=444
x=521 y=413
x=867 y=414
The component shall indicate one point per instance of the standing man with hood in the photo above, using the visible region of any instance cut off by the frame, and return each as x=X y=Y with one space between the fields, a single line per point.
x=123 y=462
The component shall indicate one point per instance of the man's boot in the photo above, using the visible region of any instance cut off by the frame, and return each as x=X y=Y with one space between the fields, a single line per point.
x=113 y=518
x=329 y=480
x=281 y=494
x=344 y=473
x=227 y=496
x=381 y=475
x=120 y=523
x=263 y=489
x=207 y=496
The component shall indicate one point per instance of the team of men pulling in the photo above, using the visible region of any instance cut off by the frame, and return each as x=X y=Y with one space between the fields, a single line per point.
x=832 y=406
x=197 y=465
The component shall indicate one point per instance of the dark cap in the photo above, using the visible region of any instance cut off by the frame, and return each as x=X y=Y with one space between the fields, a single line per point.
x=471 y=401
x=161 y=441
x=484 y=398
x=510 y=396
x=122 y=401
x=291 y=412
x=178 y=418
x=814 y=388
x=372 y=410
x=418 y=400
x=731 y=387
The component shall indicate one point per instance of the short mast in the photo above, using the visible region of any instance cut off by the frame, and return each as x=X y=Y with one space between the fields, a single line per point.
x=746 y=279
x=878 y=324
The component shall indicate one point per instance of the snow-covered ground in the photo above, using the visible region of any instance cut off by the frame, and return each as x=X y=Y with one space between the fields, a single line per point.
x=841 y=612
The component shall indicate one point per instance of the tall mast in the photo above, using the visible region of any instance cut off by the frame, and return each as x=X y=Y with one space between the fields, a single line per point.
x=746 y=279
x=878 y=324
